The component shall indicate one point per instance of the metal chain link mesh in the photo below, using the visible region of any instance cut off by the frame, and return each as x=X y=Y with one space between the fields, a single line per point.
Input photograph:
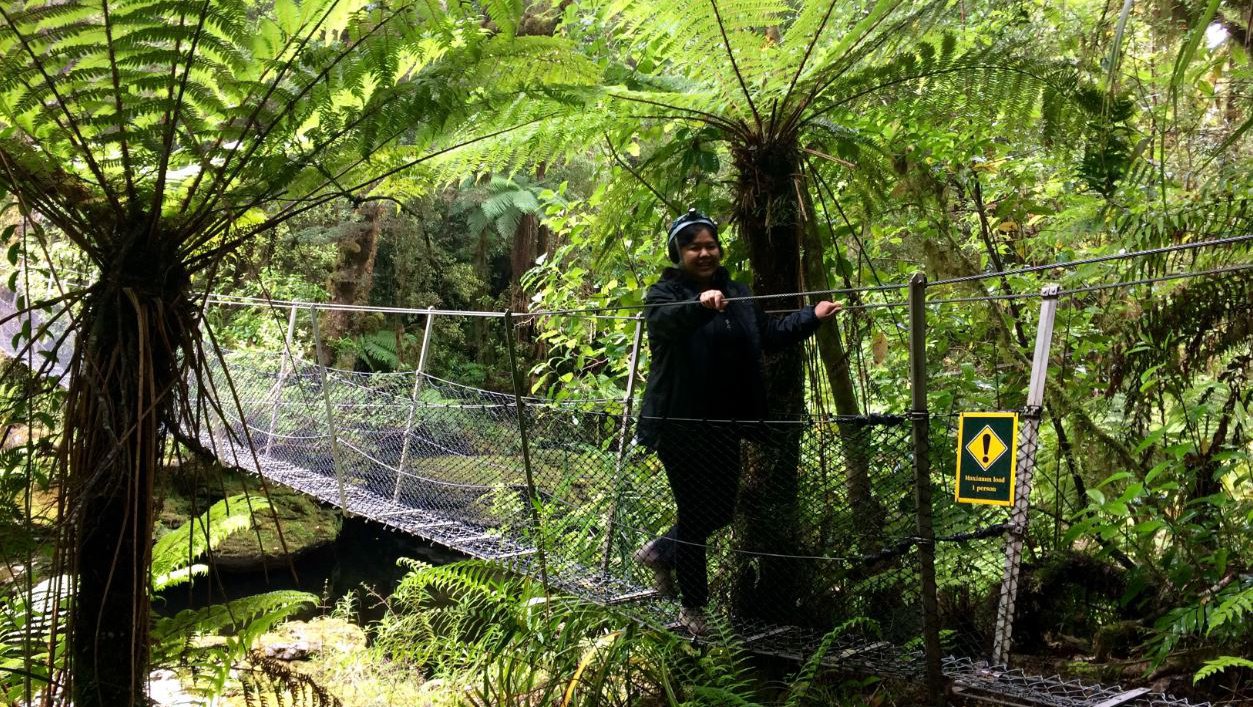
x=807 y=525
x=1014 y=687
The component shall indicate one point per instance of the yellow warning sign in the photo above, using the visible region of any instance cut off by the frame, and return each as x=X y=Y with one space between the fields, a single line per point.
x=987 y=457
x=986 y=447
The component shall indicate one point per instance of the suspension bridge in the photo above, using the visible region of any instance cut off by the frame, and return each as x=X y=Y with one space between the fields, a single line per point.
x=557 y=490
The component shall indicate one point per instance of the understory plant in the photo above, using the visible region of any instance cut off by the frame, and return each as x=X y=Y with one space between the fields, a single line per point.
x=494 y=638
x=204 y=643
x=503 y=640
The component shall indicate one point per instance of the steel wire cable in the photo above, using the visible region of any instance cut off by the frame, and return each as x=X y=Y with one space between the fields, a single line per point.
x=1178 y=247
x=596 y=311
x=411 y=475
x=937 y=283
x=1061 y=293
x=904 y=303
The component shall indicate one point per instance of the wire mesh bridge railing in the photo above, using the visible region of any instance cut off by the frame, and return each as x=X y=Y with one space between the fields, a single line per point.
x=560 y=490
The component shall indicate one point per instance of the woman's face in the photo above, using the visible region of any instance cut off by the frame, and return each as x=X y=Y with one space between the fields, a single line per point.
x=702 y=257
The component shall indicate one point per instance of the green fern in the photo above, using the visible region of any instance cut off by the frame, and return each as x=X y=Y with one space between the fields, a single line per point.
x=179 y=640
x=266 y=679
x=27 y=627
x=1218 y=665
x=798 y=693
x=1230 y=614
x=378 y=349
x=498 y=205
x=174 y=552
x=498 y=637
x=32 y=636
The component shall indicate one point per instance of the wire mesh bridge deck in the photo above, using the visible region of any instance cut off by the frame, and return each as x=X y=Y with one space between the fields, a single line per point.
x=445 y=462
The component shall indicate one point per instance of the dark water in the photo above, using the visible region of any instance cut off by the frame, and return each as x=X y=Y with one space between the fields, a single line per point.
x=362 y=560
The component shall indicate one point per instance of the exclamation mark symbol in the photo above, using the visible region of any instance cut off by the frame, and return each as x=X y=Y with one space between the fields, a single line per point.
x=987 y=443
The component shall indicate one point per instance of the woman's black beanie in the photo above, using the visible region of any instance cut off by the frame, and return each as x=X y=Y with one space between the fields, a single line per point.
x=691 y=218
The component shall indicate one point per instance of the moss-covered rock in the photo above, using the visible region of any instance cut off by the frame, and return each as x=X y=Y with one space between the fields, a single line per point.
x=293 y=523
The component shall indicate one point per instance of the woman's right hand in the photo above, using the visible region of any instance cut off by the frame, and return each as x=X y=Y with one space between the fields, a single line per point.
x=713 y=299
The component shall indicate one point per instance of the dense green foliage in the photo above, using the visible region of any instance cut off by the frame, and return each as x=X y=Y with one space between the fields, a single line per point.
x=206 y=642
x=498 y=640
x=497 y=155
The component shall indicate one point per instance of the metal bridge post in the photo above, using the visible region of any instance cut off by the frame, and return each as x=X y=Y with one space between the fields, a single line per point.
x=286 y=364
x=922 y=485
x=531 y=493
x=332 y=432
x=413 y=400
x=628 y=400
x=1028 y=441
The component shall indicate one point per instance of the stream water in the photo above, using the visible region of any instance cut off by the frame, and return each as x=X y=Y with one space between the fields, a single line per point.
x=361 y=560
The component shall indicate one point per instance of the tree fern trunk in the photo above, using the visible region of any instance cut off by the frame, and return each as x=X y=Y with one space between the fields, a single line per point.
x=854 y=437
x=352 y=281
x=522 y=255
x=134 y=335
x=769 y=218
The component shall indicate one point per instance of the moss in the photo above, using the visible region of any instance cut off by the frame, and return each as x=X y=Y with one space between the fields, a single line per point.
x=191 y=488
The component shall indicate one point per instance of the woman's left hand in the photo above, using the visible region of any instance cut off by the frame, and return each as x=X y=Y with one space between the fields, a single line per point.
x=826 y=310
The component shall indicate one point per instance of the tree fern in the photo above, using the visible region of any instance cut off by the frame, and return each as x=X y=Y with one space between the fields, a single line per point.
x=157 y=137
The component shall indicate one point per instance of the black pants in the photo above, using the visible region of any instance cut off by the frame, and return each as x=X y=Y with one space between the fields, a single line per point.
x=702 y=462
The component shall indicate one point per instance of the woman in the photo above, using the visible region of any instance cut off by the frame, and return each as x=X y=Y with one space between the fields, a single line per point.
x=705 y=376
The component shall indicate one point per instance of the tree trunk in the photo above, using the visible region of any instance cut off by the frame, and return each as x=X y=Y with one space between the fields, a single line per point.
x=481 y=327
x=351 y=282
x=854 y=437
x=521 y=255
x=770 y=587
x=135 y=334
x=530 y=239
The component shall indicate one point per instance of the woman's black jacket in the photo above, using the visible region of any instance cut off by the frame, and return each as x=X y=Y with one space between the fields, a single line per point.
x=680 y=381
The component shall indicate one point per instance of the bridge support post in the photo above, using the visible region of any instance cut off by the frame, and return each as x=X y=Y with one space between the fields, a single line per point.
x=331 y=429
x=922 y=486
x=286 y=365
x=628 y=401
x=1028 y=442
x=413 y=401
x=531 y=492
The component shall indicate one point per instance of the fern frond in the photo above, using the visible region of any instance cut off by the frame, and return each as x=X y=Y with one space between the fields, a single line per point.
x=1232 y=610
x=688 y=40
x=267 y=676
x=178 y=548
x=253 y=615
x=240 y=623
x=1186 y=330
x=1219 y=664
x=505 y=14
